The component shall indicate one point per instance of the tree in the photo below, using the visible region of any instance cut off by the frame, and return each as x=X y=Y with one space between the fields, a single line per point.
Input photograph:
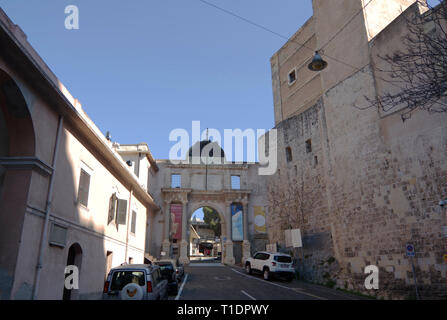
x=290 y=205
x=419 y=72
x=211 y=217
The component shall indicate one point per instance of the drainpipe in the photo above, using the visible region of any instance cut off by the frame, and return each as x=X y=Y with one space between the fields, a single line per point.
x=43 y=239
x=129 y=213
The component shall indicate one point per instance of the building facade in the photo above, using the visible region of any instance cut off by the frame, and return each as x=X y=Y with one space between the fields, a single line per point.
x=371 y=182
x=227 y=187
x=67 y=197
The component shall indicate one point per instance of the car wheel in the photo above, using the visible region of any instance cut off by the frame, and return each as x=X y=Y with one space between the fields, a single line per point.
x=248 y=268
x=266 y=274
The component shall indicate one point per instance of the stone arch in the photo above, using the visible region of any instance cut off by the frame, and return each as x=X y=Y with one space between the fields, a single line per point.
x=220 y=209
x=17 y=160
x=15 y=115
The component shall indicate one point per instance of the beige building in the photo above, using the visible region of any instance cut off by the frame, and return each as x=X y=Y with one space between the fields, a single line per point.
x=372 y=183
x=67 y=195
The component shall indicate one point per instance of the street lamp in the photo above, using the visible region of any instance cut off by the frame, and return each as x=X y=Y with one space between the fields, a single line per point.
x=317 y=64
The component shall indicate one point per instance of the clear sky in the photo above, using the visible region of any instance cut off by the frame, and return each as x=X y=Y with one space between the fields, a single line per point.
x=142 y=68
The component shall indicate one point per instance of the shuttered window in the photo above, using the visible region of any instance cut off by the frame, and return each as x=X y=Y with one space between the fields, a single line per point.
x=112 y=208
x=121 y=213
x=84 y=185
x=133 y=224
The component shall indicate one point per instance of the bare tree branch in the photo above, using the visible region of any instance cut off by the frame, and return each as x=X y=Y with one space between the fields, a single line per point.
x=419 y=72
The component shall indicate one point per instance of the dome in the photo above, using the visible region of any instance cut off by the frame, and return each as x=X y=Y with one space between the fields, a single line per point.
x=213 y=146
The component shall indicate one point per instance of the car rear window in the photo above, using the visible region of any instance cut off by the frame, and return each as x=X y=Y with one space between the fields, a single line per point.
x=283 y=259
x=121 y=278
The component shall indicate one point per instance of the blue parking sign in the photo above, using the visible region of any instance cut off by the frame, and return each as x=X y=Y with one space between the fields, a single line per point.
x=410 y=250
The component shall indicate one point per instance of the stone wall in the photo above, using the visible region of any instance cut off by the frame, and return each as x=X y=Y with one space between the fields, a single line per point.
x=378 y=180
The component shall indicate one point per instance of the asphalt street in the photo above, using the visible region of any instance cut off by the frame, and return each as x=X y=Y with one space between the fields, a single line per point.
x=214 y=281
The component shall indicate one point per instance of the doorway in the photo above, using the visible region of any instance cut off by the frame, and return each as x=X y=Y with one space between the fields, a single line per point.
x=74 y=259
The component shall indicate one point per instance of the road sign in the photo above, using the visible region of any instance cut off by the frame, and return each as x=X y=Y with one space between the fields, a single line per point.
x=410 y=250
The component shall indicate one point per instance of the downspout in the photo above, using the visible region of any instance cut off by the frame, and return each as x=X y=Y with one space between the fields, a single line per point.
x=43 y=239
x=128 y=223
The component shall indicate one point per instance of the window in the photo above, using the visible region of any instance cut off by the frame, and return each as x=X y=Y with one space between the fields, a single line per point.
x=284 y=259
x=117 y=210
x=133 y=223
x=58 y=235
x=121 y=212
x=155 y=277
x=309 y=146
x=84 y=186
x=235 y=182
x=258 y=256
x=121 y=278
x=176 y=181
x=289 y=154
x=292 y=77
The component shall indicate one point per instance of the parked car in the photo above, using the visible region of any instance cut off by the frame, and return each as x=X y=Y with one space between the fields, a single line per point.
x=179 y=269
x=271 y=265
x=168 y=273
x=135 y=282
x=219 y=256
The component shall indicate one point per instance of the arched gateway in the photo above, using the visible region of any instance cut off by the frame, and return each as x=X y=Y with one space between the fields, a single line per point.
x=233 y=190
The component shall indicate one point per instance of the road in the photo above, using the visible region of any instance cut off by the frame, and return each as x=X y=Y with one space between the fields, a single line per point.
x=214 y=281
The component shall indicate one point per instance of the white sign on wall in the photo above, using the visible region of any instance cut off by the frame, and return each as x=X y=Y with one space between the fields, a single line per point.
x=293 y=238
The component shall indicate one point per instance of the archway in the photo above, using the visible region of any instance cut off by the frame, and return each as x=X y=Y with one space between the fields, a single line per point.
x=205 y=235
x=17 y=152
x=74 y=258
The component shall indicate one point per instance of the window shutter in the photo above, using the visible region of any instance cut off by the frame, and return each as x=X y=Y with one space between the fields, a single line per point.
x=84 y=185
x=134 y=222
x=112 y=208
x=122 y=212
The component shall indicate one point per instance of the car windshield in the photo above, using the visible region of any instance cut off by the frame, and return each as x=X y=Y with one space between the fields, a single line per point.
x=121 y=278
x=283 y=259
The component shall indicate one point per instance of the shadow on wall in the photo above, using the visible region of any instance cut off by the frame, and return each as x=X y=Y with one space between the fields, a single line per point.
x=75 y=238
x=16 y=140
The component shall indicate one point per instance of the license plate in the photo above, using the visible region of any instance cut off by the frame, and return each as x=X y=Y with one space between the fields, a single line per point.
x=284 y=265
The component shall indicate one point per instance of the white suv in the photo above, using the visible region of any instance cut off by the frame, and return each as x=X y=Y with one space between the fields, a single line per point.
x=271 y=264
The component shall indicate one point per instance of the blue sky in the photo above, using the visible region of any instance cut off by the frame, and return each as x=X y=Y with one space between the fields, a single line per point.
x=142 y=68
x=198 y=213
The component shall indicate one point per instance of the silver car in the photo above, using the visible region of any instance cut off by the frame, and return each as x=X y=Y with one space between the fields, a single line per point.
x=135 y=282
